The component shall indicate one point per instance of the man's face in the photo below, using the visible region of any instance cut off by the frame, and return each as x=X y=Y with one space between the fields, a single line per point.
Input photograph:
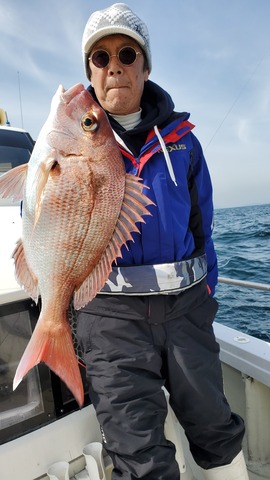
x=118 y=87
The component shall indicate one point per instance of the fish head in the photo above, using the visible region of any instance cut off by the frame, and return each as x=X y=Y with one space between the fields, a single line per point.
x=77 y=125
x=77 y=132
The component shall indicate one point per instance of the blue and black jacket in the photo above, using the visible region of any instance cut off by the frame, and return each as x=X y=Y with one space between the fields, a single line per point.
x=168 y=157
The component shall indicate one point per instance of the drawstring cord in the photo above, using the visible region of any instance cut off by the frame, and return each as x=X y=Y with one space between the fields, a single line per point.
x=166 y=155
x=164 y=149
x=121 y=142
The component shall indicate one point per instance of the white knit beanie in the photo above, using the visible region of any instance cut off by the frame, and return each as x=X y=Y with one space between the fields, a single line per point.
x=118 y=18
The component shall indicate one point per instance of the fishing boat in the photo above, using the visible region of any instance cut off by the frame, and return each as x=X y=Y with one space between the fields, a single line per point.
x=43 y=433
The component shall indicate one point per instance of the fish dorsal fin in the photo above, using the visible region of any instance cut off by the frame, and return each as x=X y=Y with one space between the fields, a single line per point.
x=12 y=182
x=133 y=207
x=24 y=276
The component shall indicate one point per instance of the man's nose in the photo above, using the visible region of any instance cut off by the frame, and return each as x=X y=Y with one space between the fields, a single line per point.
x=115 y=66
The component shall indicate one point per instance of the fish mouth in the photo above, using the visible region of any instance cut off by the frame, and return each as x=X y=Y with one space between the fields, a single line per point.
x=68 y=95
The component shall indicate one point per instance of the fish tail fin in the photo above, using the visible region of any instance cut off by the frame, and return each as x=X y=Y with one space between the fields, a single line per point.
x=55 y=348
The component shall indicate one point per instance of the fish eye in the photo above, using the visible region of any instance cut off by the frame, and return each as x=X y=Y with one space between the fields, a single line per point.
x=89 y=123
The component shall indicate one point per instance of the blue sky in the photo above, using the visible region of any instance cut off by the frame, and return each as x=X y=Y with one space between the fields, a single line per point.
x=212 y=56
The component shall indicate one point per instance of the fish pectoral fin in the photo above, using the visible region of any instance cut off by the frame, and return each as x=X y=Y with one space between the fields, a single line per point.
x=12 y=182
x=24 y=276
x=133 y=207
x=53 y=346
x=41 y=179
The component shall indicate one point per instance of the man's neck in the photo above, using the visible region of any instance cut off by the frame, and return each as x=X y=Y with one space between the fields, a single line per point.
x=130 y=121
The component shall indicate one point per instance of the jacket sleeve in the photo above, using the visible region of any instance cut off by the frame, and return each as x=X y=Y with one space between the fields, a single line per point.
x=202 y=211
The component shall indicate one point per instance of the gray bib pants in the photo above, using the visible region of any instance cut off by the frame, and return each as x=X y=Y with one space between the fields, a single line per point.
x=133 y=346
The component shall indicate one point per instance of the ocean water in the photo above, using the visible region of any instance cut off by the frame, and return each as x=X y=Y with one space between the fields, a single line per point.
x=242 y=242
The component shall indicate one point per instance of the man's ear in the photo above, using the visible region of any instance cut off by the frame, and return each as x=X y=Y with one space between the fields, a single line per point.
x=146 y=75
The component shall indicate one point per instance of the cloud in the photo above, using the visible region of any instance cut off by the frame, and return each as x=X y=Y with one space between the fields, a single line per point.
x=215 y=63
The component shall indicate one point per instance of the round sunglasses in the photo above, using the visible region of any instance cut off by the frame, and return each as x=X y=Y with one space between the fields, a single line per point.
x=126 y=55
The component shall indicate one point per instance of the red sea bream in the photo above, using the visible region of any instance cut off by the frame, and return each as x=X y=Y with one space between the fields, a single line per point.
x=79 y=207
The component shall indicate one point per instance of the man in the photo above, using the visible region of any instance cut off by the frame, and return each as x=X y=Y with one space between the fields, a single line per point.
x=151 y=326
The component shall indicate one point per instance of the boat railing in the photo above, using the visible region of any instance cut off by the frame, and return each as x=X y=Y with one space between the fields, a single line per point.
x=244 y=283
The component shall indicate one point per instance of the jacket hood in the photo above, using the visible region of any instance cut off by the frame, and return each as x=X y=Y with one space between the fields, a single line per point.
x=157 y=106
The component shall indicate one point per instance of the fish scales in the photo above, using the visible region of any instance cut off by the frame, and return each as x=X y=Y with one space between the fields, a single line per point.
x=79 y=208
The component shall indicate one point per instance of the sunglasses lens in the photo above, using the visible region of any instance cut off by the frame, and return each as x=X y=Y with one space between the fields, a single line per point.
x=127 y=55
x=100 y=58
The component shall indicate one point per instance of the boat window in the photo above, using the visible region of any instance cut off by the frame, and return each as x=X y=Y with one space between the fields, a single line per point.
x=15 y=148
x=26 y=401
x=41 y=397
x=11 y=157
